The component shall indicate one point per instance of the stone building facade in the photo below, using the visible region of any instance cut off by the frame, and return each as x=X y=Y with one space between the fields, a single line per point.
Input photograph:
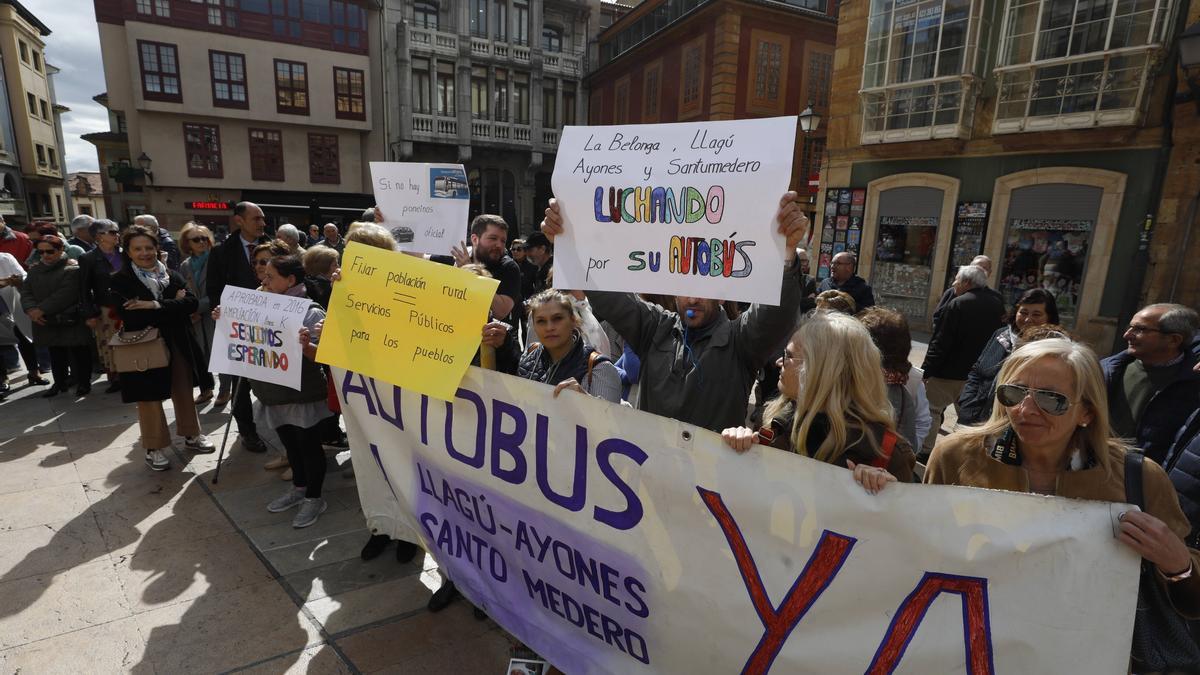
x=1017 y=128
x=488 y=83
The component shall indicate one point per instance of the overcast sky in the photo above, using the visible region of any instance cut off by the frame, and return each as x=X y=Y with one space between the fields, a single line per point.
x=74 y=46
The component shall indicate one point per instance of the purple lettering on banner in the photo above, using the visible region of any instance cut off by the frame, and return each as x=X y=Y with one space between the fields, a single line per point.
x=632 y=515
x=508 y=442
x=394 y=419
x=480 y=427
x=575 y=500
x=361 y=388
x=552 y=587
x=379 y=462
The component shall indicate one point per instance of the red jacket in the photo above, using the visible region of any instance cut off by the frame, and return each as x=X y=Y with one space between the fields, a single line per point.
x=16 y=244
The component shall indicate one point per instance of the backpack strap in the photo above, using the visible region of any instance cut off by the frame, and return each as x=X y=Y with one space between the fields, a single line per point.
x=593 y=359
x=889 y=446
x=1133 y=479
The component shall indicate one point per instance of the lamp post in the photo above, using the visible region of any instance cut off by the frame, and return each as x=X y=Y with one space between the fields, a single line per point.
x=144 y=163
x=809 y=121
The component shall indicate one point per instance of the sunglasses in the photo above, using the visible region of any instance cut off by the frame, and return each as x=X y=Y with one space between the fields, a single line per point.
x=260 y=263
x=1050 y=402
x=47 y=251
x=197 y=240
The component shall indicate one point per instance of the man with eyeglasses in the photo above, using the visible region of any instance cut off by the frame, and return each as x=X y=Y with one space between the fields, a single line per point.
x=1152 y=387
x=231 y=263
x=842 y=277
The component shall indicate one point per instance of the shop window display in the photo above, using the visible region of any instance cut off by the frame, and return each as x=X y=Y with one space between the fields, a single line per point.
x=906 y=238
x=1047 y=253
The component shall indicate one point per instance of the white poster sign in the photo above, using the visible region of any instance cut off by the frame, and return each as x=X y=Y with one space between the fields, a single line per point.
x=258 y=336
x=614 y=541
x=679 y=209
x=424 y=205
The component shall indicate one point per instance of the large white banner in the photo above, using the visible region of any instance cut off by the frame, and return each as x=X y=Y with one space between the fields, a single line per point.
x=258 y=336
x=614 y=541
x=681 y=209
x=425 y=206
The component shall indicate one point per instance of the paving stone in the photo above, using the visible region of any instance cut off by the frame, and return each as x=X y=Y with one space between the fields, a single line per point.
x=39 y=607
x=49 y=548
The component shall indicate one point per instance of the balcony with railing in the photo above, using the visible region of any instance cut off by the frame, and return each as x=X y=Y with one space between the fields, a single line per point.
x=441 y=129
x=434 y=42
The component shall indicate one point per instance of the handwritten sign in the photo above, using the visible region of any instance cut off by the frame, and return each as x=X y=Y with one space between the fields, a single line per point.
x=680 y=209
x=258 y=336
x=424 y=205
x=405 y=320
x=614 y=541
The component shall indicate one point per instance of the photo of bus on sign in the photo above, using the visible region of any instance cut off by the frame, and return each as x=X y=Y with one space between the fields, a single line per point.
x=448 y=183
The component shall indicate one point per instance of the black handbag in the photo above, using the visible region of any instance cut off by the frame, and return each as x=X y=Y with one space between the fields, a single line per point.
x=1161 y=640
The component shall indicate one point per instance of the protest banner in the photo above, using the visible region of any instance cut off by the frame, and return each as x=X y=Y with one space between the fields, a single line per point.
x=258 y=336
x=425 y=206
x=680 y=209
x=614 y=541
x=405 y=320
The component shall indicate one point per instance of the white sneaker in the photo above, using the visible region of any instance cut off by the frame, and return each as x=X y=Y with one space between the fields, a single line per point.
x=199 y=445
x=157 y=461
x=292 y=497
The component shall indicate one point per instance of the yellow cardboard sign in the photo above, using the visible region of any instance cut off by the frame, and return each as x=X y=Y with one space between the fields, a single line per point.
x=405 y=320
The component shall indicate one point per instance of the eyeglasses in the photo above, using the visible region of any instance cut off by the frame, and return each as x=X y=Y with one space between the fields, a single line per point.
x=47 y=251
x=1138 y=330
x=1051 y=402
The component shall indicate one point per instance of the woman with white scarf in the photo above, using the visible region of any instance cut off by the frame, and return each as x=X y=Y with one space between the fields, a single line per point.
x=147 y=294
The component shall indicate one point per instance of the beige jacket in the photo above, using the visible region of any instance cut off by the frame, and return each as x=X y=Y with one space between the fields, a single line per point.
x=958 y=461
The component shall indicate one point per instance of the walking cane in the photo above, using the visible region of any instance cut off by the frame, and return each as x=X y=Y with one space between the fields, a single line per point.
x=237 y=388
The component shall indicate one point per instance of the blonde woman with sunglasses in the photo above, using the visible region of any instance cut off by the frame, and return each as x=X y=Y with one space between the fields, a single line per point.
x=1048 y=433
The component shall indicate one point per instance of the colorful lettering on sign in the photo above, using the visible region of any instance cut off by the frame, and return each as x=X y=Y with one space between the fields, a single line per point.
x=659 y=205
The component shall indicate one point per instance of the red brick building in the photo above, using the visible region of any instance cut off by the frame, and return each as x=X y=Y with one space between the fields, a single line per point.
x=692 y=60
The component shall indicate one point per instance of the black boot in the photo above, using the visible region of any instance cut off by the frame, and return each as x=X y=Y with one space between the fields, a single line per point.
x=405 y=551
x=375 y=545
x=442 y=597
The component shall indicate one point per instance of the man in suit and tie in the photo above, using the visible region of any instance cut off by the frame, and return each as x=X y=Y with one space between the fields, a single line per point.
x=231 y=263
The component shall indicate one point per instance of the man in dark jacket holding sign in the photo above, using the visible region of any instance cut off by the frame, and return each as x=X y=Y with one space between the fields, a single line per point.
x=698 y=365
x=231 y=264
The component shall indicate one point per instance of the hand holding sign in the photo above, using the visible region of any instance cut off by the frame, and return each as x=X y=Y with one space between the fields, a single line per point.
x=674 y=208
x=257 y=336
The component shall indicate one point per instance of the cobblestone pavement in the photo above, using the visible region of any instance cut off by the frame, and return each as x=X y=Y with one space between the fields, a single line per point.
x=107 y=566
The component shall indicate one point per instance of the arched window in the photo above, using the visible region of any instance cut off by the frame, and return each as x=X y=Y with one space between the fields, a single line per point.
x=551 y=38
x=425 y=14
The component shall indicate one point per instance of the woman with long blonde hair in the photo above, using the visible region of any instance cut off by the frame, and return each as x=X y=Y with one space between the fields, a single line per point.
x=833 y=403
x=1048 y=433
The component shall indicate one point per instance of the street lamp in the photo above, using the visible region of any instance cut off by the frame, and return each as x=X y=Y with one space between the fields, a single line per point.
x=1189 y=60
x=809 y=120
x=144 y=163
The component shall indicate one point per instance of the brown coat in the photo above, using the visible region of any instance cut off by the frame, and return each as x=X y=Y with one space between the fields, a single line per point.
x=956 y=460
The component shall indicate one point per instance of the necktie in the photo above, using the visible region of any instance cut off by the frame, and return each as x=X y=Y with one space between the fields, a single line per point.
x=250 y=253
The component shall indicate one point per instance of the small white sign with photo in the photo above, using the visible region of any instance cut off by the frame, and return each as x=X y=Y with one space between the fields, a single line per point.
x=425 y=206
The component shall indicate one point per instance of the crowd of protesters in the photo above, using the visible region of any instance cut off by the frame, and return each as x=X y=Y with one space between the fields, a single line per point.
x=824 y=374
